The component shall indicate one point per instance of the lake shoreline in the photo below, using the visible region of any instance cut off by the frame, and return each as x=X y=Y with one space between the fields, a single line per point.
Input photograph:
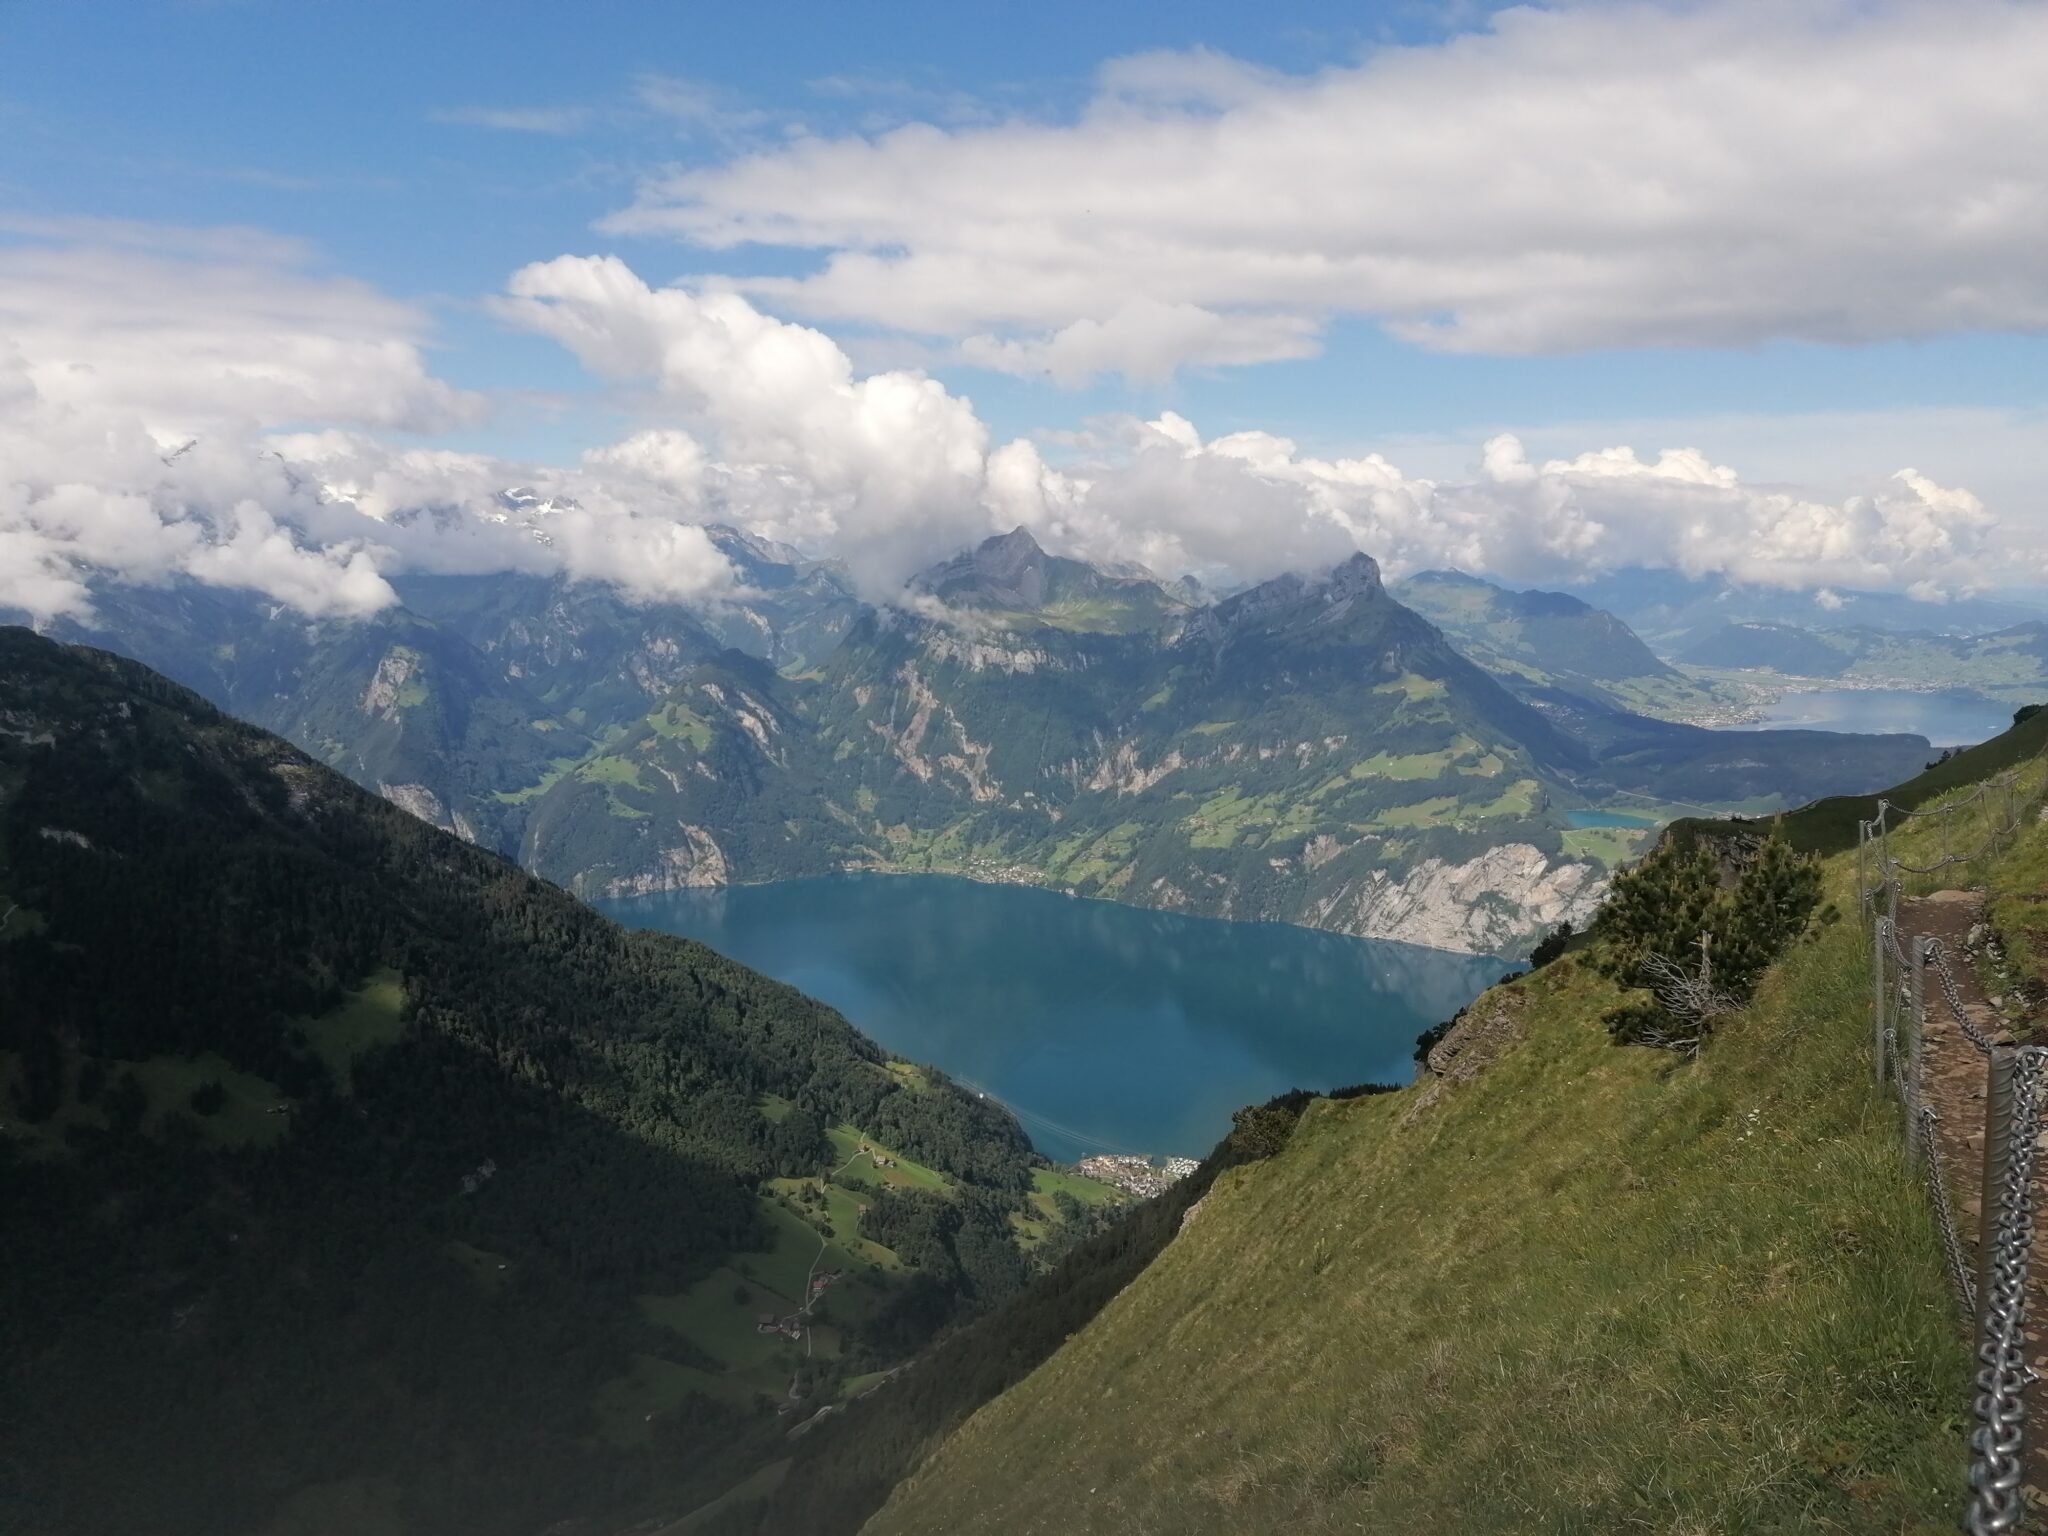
x=1106 y=1028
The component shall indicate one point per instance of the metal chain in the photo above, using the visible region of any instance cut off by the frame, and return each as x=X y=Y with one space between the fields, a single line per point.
x=1953 y=994
x=1960 y=1279
x=2002 y=1370
x=1984 y=787
x=1952 y=858
x=2006 y=1243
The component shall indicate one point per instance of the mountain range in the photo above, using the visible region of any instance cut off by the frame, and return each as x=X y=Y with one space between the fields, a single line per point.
x=1311 y=749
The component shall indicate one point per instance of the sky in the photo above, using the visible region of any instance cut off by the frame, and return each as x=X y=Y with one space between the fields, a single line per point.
x=289 y=292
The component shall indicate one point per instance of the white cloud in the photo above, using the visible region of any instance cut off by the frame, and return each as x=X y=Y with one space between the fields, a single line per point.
x=136 y=378
x=557 y=120
x=1251 y=504
x=192 y=335
x=1584 y=176
x=885 y=469
x=245 y=442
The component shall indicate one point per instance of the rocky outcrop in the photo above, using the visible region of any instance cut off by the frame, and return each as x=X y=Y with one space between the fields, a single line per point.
x=1123 y=770
x=1489 y=905
x=1475 y=1042
x=388 y=683
x=695 y=862
x=420 y=801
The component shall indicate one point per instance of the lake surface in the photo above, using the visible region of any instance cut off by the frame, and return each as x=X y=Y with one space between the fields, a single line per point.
x=1947 y=719
x=1106 y=1028
x=1589 y=818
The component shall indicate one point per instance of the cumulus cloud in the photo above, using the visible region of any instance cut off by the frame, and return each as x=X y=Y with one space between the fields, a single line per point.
x=246 y=439
x=1573 y=177
x=1251 y=503
x=883 y=469
x=140 y=367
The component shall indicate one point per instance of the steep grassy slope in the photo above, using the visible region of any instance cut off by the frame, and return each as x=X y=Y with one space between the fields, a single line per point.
x=1590 y=1288
x=1829 y=826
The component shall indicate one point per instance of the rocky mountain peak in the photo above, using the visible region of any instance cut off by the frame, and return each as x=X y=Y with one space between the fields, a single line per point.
x=1357 y=577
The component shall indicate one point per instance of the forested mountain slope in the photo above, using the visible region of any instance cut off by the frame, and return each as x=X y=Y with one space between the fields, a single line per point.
x=356 y=1178
x=1559 y=1284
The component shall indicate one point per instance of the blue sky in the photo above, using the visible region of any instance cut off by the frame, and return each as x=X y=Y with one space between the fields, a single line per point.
x=431 y=150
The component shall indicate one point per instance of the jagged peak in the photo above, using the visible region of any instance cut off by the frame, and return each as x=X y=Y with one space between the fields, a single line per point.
x=1017 y=543
x=1358 y=575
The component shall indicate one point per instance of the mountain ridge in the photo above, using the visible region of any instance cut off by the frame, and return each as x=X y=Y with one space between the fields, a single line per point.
x=1020 y=716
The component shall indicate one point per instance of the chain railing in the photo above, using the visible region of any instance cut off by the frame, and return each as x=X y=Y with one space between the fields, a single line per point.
x=2003 y=1374
x=1991 y=1294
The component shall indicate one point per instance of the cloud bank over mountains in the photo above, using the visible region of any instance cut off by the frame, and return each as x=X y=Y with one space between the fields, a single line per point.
x=211 y=407
x=213 y=404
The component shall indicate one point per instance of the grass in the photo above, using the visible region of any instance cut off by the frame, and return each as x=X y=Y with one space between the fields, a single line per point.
x=1432 y=812
x=626 y=1404
x=373 y=1015
x=1611 y=846
x=489 y=1270
x=244 y=1118
x=1595 y=1289
x=905 y=1174
x=541 y=786
x=1052 y=1181
x=1045 y=1183
x=708 y=1317
x=359 y=1506
x=1413 y=688
x=1518 y=799
x=18 y=922
x=1829 y=826
x=752 y=1491
x=720 y=1312
x=677 y=722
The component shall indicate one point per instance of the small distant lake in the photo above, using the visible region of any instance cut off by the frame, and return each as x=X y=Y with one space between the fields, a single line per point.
x=1106 y=1028
x=1951 y=718
x=1584 y=818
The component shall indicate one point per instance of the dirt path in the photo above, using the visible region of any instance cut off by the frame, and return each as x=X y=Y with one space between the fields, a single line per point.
x=1952 y=1082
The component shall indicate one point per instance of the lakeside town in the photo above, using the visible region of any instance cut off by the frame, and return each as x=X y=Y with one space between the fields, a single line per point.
x=1143 y=1177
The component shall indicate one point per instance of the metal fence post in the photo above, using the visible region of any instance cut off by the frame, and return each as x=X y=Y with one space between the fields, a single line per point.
x=1910 y=1053
x=1877 y=1000
x=1998 y=1070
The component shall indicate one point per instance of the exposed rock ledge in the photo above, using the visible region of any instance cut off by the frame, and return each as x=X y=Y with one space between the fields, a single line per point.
x=418 y=800
x=695 y=862
x=1486 y=906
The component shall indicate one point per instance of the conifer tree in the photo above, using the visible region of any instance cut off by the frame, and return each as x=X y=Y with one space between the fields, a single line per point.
x=1672 y=914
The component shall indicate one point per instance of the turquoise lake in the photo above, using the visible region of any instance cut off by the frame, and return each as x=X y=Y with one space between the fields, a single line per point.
x=1949 y=718
x=1105 y=1028
x=1584 y=818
